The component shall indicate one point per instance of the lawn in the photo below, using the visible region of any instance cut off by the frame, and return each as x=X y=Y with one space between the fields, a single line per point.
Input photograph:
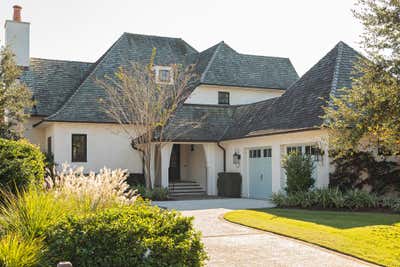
x=374 y=237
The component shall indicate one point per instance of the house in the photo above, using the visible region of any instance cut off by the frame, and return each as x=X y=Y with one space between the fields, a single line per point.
x=257 y=110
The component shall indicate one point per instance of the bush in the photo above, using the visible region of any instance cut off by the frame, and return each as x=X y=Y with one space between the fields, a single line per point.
x=333 y=198
x=229 y=184
x=18 y=252
x=298 y=169
x=356 y=170
x=20 y=163
x=156 y=194
x=139 y=235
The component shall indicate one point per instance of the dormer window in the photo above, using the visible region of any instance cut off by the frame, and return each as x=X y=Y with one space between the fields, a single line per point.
x=223 y=98
x=163 y=74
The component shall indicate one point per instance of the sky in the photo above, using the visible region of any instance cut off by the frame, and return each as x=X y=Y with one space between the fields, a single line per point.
x=83 y=30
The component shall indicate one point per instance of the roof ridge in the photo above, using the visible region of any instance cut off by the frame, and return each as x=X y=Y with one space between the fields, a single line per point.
x=251 y=55
x=61 y=60
x=101 y=59
x=210 y=61
x=338 y=60
x=150 y=35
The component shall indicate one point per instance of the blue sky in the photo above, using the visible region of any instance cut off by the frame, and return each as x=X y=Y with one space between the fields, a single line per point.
x=83 y=30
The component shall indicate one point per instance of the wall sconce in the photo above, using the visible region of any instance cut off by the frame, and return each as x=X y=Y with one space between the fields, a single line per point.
x=236 y=159
x=192 y=147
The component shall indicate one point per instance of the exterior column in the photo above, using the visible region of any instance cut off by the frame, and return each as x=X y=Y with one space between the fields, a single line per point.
x=152 y=166
x=165 y=159
x=209 y=151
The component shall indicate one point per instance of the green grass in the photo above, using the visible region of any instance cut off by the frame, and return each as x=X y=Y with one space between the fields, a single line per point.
x=374 y=237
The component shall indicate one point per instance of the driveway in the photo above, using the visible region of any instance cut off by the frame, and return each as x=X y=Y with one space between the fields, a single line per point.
x=230 y=244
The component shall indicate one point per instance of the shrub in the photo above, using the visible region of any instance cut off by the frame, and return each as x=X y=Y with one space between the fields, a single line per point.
x=355 y=170
x=298 y=169
x=18 y=252
x=20 y=163
x=93 y=191
x=156 y=194
x=327 y=198
x=139 y=235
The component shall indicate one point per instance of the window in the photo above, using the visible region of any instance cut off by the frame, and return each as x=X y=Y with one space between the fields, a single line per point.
x=79 y=148
x=293 y=149
x=164 y=75
x=49 y=148
x=223 y=98
x=267 y=153
x=255 y=153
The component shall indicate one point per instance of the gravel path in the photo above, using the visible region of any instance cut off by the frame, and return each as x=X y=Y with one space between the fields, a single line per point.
x=230 y=244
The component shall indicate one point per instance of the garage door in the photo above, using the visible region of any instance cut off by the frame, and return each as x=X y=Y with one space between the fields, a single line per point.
x=260 y=172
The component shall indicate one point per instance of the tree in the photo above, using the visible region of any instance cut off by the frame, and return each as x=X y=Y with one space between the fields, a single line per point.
x=15 y=98
x=142 y=104
x=299 y=169
x=369 y=113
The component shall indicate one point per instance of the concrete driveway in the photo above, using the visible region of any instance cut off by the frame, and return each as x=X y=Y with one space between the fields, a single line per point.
x=230 y=244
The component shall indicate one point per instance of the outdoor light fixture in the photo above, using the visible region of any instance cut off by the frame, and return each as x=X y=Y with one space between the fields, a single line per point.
x=191 y=147
x=236 y=159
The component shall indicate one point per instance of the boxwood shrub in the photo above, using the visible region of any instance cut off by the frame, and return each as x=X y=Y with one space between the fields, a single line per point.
x=139 y=235
x=20 y=163
x=333 y=198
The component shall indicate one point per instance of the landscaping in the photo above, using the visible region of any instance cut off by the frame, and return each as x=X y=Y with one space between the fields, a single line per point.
x=373 y=237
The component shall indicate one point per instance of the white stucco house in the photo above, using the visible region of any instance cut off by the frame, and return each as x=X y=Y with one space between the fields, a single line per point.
x=257 y=110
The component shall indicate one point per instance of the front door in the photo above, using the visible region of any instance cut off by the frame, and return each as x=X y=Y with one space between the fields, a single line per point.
x=174 y=164
x=260 y=172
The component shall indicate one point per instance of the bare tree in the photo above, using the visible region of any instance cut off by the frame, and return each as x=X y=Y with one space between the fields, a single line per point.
x=143 y=100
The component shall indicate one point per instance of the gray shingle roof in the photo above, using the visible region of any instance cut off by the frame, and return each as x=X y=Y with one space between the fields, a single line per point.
x=84 y=105
x=228 y=67
x=300 y=107
x=53 y=82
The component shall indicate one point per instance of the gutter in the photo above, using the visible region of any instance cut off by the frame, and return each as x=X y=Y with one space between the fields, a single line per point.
x=224 y=152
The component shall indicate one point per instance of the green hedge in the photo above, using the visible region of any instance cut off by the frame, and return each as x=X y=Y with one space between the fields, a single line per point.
x=333 y=198
x=20 y=163
x=229 y=184
x=138 y=235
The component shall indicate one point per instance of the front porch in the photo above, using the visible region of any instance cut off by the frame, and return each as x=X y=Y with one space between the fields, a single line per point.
x=188 y=169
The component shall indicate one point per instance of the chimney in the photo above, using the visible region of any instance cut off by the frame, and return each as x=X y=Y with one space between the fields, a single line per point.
x=17 y=13
x=17 y=37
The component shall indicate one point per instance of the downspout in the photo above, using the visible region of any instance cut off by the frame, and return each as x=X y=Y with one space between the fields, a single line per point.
x=224 y=152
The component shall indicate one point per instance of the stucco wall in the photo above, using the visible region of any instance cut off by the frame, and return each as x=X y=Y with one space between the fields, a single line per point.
x=17 y=38
x=278 y=144
x=107 y=146
x=34 y=135
x=208 y=94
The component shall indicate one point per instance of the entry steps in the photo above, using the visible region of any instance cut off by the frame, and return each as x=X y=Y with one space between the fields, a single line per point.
x=185 y=188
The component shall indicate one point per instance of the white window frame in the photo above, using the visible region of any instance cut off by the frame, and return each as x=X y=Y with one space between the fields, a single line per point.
x=157 y=70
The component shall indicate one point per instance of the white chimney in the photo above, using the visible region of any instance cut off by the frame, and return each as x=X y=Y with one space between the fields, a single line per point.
x=17 y=37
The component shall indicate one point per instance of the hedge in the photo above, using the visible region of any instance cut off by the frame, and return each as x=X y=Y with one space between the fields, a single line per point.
x=20 y=163
x=139 y=235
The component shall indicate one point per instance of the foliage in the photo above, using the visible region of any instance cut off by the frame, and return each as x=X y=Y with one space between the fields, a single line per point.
x=333 y=198
x=298 y=168
x=15 y=98
x=136 y=97
x=369 y=112
x=93 y=191
x=370 y=236
x=18 y=252
x=20 y=163
x=357 y=170
x=156 y=194
x=139 y=235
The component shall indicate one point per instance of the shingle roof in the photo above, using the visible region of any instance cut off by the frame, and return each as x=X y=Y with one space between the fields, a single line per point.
x=84 y=105
x=68 y=91
x=300 y=107
x=228 y=67
x=53 y=82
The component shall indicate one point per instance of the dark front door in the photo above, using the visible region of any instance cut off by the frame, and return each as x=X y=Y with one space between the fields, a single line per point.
x=174 y=164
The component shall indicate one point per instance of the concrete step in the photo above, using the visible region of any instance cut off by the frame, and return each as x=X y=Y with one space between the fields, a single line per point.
x=200 y=193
